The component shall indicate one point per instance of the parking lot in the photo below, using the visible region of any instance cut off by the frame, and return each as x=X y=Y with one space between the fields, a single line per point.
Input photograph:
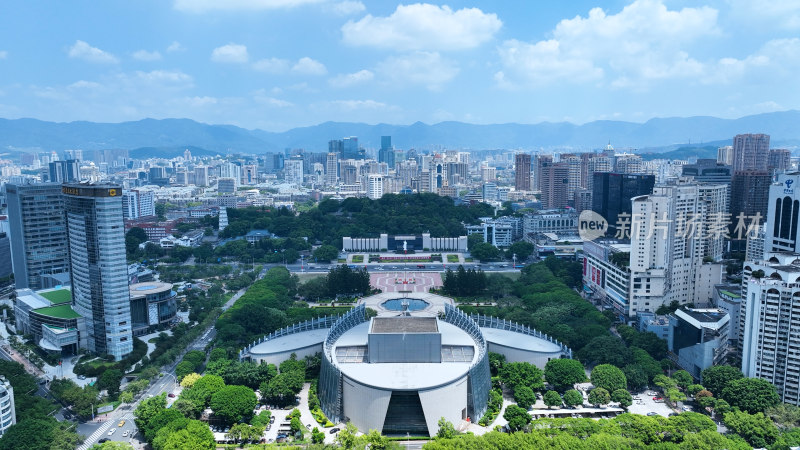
x=643 y=403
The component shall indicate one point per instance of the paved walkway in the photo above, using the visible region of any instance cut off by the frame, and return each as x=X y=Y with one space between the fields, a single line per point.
x=396 y=281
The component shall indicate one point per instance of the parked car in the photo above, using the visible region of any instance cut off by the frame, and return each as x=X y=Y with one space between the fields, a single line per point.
x=651 y=413
x=334 y=430
x=171 y=395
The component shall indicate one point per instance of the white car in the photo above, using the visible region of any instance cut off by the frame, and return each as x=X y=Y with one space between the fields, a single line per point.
x=111 y=431
x=125 y=433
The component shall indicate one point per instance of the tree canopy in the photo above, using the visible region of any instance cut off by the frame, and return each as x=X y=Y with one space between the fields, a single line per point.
x=563 y=373
x=716 y=378
x=608 y=377
x=751 y=394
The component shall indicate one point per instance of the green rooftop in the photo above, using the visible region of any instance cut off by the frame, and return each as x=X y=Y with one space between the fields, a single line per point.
x=59 y=296
x=60 y=312
x=730 y=294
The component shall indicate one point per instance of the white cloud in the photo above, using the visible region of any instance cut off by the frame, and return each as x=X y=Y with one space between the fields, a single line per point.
x=166 y=78
x=423 y=26
x=771 y=13
x=230 y=53
x=144 y=55
x=201 y=6
x=175 y=47
x=272 y=65
x=83 y=84
x=426 y=68
x=352 y=105
x=200 y=102
x=643 y=42
x=348 y=7
x=350 y=79
x=776 y=58
x=84 y=51
x=3 y=54
x=308 y=66
x=261 y=97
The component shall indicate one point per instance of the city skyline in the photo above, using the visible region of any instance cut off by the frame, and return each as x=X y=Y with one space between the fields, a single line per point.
x=275 y=65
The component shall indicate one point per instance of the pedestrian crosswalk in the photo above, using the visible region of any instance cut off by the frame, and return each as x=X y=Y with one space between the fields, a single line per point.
x=100 y=432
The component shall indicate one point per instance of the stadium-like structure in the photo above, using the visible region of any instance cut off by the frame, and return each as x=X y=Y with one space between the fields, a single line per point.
x=418 y=360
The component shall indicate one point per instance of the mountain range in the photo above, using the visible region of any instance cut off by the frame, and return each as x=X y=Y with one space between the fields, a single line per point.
x=169 y=137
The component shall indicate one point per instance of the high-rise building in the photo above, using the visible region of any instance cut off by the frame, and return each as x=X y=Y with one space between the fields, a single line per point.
x=489 y=192
x=707 y=171
x=779 y=160
x=386 y=152
x=522 y=170
x=64 y=171
x=130 y=205
x=612 y=193
x=575 y=176
x=332 y=169
x=350 y=149
x=137 y=203
x=750 y=152
x=201 y=176
x=457 y=173
x=293 y=170
x=768 y=324
x=488 y=174
x=668 y=239
x=249 y=174
x=782 y=215
x=8 y=416
x=374 y=186
x=99 y=271
x=438 y=174
x=725 y=155
x=749 y=197
x=36 y=228
x=553 y=184
x=627 y=163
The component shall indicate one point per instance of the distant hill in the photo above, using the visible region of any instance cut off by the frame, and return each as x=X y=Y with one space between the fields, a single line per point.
x=705 y=151
x=169 y=137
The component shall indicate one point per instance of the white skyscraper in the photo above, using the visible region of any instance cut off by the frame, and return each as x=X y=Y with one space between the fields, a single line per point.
x=332 y=169
x=99 y=270
x=670 y=232
x=782 y=216
x=293 y=171
x=769 y=320
x=375 y=186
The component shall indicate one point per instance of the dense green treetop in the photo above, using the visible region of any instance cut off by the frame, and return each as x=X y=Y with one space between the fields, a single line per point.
x=563 y=374
x=716 y=378
x=751 y=394
x=608 y=377
x=361 y=217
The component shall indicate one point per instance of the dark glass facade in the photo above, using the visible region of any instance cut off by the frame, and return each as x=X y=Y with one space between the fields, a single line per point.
x=613 y=192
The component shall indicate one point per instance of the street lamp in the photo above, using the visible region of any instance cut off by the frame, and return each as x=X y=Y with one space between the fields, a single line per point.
x=514 y=258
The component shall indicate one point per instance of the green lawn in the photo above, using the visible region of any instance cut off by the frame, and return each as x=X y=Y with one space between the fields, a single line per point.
x=60 y=312
x=452 y=258
x=59 y=296
x=358 y=258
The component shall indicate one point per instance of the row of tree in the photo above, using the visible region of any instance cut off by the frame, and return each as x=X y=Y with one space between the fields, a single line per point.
x=463 y=282
x=35 y=428
x=361 y=217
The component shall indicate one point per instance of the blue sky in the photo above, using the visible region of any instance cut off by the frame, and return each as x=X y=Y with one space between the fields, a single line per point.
x=278 y=64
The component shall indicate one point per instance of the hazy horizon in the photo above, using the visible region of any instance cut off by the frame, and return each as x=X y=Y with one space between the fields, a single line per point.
x=281 y=64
